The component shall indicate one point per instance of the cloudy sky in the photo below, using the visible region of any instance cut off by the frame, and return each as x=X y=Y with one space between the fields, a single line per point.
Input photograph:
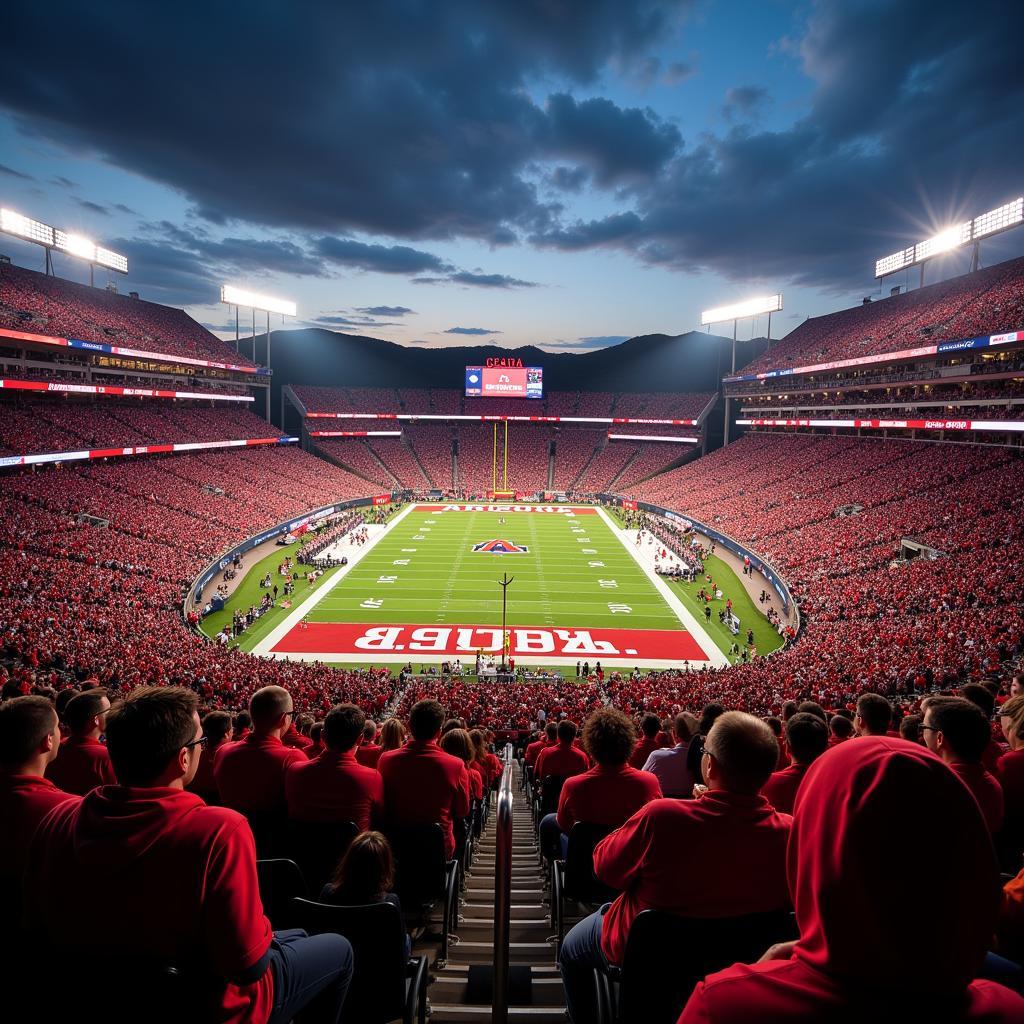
x=553 y=172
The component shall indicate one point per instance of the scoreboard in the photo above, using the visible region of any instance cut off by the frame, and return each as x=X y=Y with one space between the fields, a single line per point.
x=504 y=378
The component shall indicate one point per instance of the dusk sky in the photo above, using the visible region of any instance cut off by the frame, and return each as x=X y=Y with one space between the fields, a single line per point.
x=567 y=174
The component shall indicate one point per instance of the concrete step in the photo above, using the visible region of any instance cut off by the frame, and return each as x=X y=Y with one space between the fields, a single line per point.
x=450 y=987
x=471 y=951
x=447 y=1013
x=477 y=909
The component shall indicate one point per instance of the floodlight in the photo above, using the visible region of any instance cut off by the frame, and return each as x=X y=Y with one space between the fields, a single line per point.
x=999 y=219
x=113 y=260
x=897 y=261
x=234 y=296
x=950 y=238
x=75 y=245
x=741 y=310
x=24 y=227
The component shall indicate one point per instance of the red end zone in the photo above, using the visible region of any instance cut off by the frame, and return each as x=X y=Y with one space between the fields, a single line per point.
x=364 y=641
x=565 y=510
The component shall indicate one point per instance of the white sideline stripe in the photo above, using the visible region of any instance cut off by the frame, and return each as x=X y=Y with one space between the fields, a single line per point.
x=710 y=648
x=297 y=614
x=380 y=658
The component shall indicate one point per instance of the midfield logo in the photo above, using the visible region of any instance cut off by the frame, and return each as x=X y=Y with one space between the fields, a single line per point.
x=501 y=547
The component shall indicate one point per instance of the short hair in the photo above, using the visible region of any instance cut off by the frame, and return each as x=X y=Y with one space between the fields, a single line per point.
x=147 y=729
x=964 y=727
x=243 y=720
x=806 y=737
x=551 y=730
x=63 y=698
x=875 y=711
x=268 y=704
x=343 y=726
x=609 y=736
x=83 y=708
x=316 y=732
x=426 y=719
x=812 y=707
x=980 y=695
x=566 y=731
x=745 y=750
x=775 y=724
x=841 y=726
x=684 y=725
x=650 y=726
x=910 y=728
x=711 y=713
x=789 y=709
x=366 y=871
x=369 y=730
x=216 y=725
x=457 y=743
x=24 y=723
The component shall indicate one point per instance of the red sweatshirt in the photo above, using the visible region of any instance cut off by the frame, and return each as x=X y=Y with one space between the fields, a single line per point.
x=82 y=764
x=986 y=790
x=861 y=957
x=533 y=750
x=368 y=754
x=423 y=784
x=24 y=801
x=157 y=873
x=781 y=787
x=721 y=855
x=1010 y=774
x=563 y=760
x=605 y=796
x=250 y=774
x=645 y=746
x=334 y=787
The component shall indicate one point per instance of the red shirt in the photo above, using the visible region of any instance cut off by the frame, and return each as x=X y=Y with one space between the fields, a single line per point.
x=178 y=884
x=986 y=790
x=721 y=855
x=334 y=787
x=643 y=750
x=476 y=781
x=780 y=789
x=1010 y=774
x=368 y=754
x=563 y=759
x=82 y=764
x=294 y=738
x=24 y=801
x=250 y=774
x=423 y=784
x=605 y=796
x=203 y=783
x=534 y=749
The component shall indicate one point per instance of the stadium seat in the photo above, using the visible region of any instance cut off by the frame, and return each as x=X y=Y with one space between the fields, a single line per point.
x=280 y=882
x=317 y=846
x=573 y=879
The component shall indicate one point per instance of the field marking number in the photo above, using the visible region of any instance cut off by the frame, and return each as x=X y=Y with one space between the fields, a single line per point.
x=617 y=609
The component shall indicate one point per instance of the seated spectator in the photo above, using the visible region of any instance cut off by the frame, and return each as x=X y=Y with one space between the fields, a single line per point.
x=335 y=787
x=695 y=755
x=564 y=759
x=83 y=762
x=547 y=739
x=365 y=874
x=423 y=784
x=1010 y=775
x=775 y=724
x=250 y=773
x=316 y=734
x=721 y=855
x=392 y=736
x=985 y=700
x=840 y=730
x=860 y=956
x=178 y=878
x=368 y=752
x=807 y=739
x=874 y=715
x=29 y=741
x=910 y=728
x=668 y=764
x=491 y=764
x=959 y=733
x=650 y=726
x=217 y=729
x=457 y=743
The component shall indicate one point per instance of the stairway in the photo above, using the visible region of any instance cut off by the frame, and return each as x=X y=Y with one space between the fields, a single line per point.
x=528 y=933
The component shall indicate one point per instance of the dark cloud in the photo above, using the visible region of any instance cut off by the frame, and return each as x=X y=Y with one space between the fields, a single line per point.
x=615 y=229
x=384 y=259
x=489 y=280
x=121 y=208
x=10 y=172
x=679 y=71
x=63 y=182
x=470 y=330
x=587 y=344
x=359 y=321
x=744 y=102
x=385 y=310
x=88 y=204
x=569 y=179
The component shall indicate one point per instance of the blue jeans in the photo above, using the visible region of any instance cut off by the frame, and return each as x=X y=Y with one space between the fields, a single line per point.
x=553 y=841
x=312 y=973
x=581 y=953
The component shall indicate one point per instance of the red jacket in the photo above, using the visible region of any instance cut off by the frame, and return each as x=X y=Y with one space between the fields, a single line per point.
x=177 y=882
x=250 y=773
x=203 y=783
x=605 y=796
x=334 y=787
x=368 y=754
x=1010 y=774
x=24 y=801
x=781 y=787
x=476 y=782
x=563 y=759
x=423 y=784
x=643 y=750
x=861 y=957
x=82 y=764
x=722 y=855
x=533 y=750
x=986 y=790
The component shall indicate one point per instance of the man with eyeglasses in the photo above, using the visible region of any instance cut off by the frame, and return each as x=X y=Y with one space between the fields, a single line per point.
x=177 y=880
x=250 y=773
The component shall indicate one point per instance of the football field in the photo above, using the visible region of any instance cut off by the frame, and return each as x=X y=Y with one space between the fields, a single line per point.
x=428 y=590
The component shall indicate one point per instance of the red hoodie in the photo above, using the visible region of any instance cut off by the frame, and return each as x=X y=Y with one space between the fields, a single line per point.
x=24 y=801
x=862 y=955
x=157 y=873
x=82 y=764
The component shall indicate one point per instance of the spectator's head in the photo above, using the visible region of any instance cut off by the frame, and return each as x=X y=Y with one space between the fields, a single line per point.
x=910 y=728
x=1017 y=684
x=858 y=809
x=86 y=714
x=366 y=871
x=316 y=733
x=609 y=737
x=981 y=695
x=369 y=731
x=812 y=707
x=566 y=731
x=789 y=709
x=739 y=754
x=711 y=713
x=650 y=726
x=29 y=735
x=775 y=724
x=957 y=730
x=551 y=732
x=806 y=737
x=342 y=727
x=457 y=743
x=392 y=734
x=272 y=711
x=217 y=726
x=840 y=727
x=874 y=715
x=63 y=699
x=476 y=737
x=155 y=738
x=1011 y=718
x=243 y=721
x=684 y=727
x=303 y=723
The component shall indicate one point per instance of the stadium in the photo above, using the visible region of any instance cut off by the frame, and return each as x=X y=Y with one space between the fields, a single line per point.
x=356 y=679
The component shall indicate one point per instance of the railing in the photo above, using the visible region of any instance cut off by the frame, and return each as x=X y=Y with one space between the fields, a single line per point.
x=502 y=892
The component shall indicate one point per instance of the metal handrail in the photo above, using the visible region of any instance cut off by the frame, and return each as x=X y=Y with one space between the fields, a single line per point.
x=502 y=892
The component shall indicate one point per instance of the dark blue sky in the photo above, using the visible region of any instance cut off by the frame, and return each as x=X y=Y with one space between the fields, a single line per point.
x=532 y=171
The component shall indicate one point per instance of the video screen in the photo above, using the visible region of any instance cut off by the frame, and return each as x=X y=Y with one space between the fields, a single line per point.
x=504 y=382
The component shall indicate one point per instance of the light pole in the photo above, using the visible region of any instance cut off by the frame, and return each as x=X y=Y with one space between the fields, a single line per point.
x=504 y=584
